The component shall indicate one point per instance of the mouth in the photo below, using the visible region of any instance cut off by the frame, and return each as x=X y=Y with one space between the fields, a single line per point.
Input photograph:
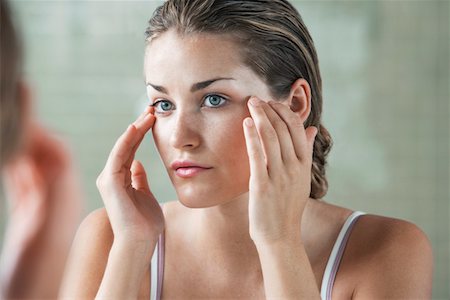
x=188 y=169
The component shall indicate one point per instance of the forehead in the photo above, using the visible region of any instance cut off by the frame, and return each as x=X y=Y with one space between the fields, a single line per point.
x=192 y=53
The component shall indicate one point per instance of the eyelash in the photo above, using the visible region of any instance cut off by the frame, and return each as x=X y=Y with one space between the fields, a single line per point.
x=223 y=100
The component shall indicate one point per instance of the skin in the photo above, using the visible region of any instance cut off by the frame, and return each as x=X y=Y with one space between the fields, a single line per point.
x=44 y=203
x=258 y=235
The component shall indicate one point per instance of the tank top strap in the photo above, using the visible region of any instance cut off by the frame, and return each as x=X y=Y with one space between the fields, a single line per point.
x=336 y=255
x=157 y=269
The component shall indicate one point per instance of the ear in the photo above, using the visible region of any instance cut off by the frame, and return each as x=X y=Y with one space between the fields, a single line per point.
x=299 y=99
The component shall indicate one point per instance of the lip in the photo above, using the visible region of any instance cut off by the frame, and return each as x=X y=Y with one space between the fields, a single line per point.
x=187 y=168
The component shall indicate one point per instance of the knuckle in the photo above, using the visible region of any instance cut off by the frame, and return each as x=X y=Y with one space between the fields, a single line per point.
x=120 y=156
x=279 y=124
x=284 y=185
x=297 y=121
x=102 y=181
x=261 y=125
x=99 y=180
x=293 y=172
x=262 y=187
x=293 y=159
x=254 y=153
x=270 y=134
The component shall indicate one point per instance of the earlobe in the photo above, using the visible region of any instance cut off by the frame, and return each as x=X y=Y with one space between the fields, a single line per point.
x=300 y=98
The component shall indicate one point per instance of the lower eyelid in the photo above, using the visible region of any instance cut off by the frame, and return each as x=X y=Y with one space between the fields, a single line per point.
x=217 y=106
x=224 y=103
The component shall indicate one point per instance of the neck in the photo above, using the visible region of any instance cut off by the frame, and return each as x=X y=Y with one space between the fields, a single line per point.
x=223 y=232
x=226 y=225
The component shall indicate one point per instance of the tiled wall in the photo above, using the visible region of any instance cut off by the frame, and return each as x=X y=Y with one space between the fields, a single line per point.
x=385 y=69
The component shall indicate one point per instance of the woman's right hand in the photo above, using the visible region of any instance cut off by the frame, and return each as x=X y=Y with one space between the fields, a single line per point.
x=134 y=213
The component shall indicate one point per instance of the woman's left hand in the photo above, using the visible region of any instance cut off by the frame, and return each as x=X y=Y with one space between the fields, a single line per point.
x=280 y=154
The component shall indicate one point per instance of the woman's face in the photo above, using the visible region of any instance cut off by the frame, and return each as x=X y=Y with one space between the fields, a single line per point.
x=200 y=88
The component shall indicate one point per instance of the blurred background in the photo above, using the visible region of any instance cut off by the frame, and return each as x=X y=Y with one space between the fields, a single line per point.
x=385 y=68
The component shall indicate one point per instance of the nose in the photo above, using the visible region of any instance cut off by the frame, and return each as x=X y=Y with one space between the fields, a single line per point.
x=185 y=135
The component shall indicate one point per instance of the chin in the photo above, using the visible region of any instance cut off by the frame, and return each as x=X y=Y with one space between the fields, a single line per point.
x=203 y=198
x=194 y=203
x=193 y=198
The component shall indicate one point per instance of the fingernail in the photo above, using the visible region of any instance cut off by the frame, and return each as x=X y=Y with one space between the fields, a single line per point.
x=255 y=101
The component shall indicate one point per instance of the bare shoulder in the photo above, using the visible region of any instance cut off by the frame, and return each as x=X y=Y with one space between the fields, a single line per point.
x=394 y=256
x=88 y=257
x=388 y=238
x=96 y=225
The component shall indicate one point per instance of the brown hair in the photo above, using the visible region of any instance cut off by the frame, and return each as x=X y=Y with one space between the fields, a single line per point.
x=10 y=73
x=275 y=43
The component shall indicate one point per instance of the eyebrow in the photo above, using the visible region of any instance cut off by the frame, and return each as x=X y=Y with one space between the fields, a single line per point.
x=195 y=87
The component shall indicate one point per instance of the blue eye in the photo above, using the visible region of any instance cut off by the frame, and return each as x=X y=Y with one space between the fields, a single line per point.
x=162 y=106
x=214 y=100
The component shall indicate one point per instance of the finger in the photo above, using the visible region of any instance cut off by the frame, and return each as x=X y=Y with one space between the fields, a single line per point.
x=258 y=167
x=130 y=160
x=296 y=129
x=287 y=150
x=148 y=109
x=122 y=149
x=143 y=126
x=311 y=133
x=267 y=134
x=125 y=148
x=139 y=177
x=142 y=123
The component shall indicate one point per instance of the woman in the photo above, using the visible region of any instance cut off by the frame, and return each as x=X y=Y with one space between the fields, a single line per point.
x=41 y=187
x=235 y=111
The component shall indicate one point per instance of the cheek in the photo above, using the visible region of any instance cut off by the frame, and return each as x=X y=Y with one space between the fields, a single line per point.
x=234 y=139
x=236 y=167
x=228 y=132
x=230 y=148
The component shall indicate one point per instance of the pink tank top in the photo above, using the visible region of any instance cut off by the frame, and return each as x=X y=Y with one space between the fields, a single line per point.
x=157 y=264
